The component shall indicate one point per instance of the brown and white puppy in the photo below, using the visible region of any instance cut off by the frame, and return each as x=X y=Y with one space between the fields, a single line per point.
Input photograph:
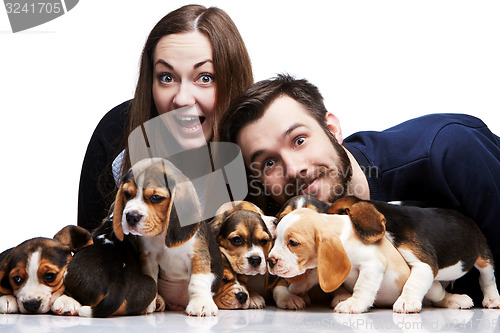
x=312 y=248
x=438 y=244
x=302 y=201
x=158 y=203
x=233 y=293
x=32 y=273
x=245 y=235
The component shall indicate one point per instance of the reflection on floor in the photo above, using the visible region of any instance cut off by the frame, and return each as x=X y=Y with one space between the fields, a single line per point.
x=269 y=320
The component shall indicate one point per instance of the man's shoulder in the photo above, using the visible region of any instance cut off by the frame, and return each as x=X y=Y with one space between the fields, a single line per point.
x=425 y=128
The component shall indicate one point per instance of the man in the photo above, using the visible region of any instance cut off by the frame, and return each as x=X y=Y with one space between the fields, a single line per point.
x=292 y=145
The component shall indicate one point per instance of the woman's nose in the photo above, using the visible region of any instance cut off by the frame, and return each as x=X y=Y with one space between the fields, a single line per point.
x=184 y=95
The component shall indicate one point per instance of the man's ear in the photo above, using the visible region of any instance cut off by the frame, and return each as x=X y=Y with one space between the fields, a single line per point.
x=333 y=124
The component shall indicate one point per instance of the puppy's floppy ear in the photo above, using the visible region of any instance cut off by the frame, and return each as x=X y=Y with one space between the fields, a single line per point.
x=117 y=213
x=333 y=263
x=5 y=287
x=271 y=223
x=368 y=221
x=341 y=206
x=74 y=237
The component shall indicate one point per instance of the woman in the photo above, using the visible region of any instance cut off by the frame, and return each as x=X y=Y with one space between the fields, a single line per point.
x=194 y=60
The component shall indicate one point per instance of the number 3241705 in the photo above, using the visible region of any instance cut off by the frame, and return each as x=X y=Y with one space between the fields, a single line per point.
x=33 y=8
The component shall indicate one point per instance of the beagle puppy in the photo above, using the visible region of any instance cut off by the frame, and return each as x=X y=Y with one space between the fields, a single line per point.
x=158 y=203
x=312 y=248
x=427 y=238
x=32 y=273
x=120 y=287
x=245 y=235
x=233 y=293
x=302 y=201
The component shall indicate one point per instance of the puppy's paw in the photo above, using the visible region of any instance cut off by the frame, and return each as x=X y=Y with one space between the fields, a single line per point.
x=351 y=305
x=340 y=297
x=291 y=302
x=491 y=302
x=455 y=301
x=8 y=304
x=66 y=306
x=256 y=302
x=407 y=305
x=201 y=307
x=159 y=304
x=85 y=311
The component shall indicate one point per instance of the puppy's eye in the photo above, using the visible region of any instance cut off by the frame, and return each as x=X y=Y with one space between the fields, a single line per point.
x=155 y=198
x=293 y=243
x=263 y=242
x=236 y=241
x=17 y=280
x=127 y=195
x=49 y=277
x=225 y=280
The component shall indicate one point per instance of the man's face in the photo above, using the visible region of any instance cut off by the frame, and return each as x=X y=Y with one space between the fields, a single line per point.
x=291 y=154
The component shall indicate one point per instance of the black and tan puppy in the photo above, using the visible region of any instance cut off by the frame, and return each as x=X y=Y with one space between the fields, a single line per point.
x=233 y=293
x=106 y=278
x=158 y=203
x=32 y=273
x=244 y=235
x=302 y=201
x=438 y=244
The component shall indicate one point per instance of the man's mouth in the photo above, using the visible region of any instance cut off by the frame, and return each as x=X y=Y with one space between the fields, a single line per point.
x=308 y=187
x=190 y=123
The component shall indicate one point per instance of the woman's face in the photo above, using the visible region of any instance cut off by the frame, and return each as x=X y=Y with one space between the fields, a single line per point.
x=184 y=77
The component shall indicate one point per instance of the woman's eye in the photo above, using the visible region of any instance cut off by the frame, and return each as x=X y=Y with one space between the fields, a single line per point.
x=299 y=141
x=205 y=79
x=166 y=78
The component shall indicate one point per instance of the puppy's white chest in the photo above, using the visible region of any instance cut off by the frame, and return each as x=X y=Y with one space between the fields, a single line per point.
x=175 y=262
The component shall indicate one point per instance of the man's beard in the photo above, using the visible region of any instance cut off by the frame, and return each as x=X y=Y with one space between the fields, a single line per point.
x=340 y=173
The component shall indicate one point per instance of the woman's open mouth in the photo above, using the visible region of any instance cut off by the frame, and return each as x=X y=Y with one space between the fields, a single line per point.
x=190 y=123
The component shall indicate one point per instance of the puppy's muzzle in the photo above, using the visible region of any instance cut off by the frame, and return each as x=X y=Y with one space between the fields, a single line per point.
x=254 y=261
x=133 y=218
x=241 y=297
x=32 y=306
x=272 y=261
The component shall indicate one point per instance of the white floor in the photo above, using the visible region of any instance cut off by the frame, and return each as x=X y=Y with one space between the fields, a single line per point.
x=269 y=320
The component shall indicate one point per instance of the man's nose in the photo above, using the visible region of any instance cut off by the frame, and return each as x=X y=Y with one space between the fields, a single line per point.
x=184 y=95
x=296 y=165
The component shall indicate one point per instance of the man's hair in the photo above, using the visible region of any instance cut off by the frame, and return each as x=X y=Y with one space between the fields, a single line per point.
x=251 y=104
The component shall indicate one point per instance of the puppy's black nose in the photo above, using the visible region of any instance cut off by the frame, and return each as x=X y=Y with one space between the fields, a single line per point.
x=271 y=261
x=133 y=218
x=241 y=297
x=32 y=306
x=255 y=260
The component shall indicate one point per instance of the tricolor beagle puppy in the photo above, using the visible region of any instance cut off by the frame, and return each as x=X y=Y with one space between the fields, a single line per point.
x=312 y=248
x=427 y=238
x=32 y=273
x=233 y=293
x=245 y=236
x=106 y=278
x=157 y=202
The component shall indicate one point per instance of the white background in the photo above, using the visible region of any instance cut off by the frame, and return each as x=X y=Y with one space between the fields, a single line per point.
x=377 y=63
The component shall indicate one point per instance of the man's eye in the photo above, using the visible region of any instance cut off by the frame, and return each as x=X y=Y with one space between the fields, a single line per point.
x=268 y=164
x=165 y=78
